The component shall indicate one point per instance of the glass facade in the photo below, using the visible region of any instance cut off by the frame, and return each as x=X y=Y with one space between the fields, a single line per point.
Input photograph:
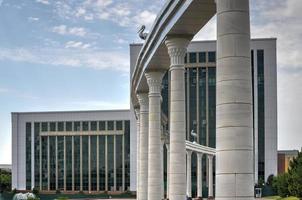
x=78 y=160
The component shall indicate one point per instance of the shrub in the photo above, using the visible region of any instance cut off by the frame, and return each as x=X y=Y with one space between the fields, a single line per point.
x=35 y=191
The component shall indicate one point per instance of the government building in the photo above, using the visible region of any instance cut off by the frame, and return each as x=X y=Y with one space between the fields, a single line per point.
x=96 y=151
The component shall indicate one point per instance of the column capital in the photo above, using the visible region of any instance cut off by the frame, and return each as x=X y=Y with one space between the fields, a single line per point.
x=199 y=155
x=143 y=101
x=210 y=157
x=154 y=80
x=189 y=152
x=177 y=48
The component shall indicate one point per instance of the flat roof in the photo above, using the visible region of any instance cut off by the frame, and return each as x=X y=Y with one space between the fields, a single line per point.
x=72 y=111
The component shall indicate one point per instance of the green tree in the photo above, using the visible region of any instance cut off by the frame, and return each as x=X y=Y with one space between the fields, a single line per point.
x=295 y=173
x=5 y=180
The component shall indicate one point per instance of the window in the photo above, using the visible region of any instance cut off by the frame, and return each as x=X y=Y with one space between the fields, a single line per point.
x=186 y=58
x=68 y=126
x=212 y=56
x=93 y=126
x=77 y=126
x=119 y=125
x=102 y=125
x=85 y=126
x=202 y=57
x=44 y=126
x=52 y=126
x=60 y=126
x=110 y=125
x=192 y=57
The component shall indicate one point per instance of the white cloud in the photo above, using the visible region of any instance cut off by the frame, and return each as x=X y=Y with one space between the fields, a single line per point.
x=32 y=19
x=3 y=90
x=64 y=30
x=70 y=57
x=45 y=2
x=77 y=45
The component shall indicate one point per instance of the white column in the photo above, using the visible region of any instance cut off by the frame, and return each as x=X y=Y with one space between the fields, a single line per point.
x=154 y=80
x=143 y=157
x=168 y=170
x=210 y=158
x=177 y=48
x=189 y=174
x=137 y=150
x=162 y=186
x=199 y=175
x=234 y=128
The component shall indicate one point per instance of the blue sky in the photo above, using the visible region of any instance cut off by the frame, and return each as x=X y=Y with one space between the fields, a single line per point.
x=74 y=55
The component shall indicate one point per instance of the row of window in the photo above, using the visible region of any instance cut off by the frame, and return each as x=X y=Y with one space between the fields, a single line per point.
x=67 y=152
x=82 y=126
x=201 y=57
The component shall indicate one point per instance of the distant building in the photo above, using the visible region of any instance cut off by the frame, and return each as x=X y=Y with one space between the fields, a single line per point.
x=6 y=167
x=71 y=151
x=284 y=159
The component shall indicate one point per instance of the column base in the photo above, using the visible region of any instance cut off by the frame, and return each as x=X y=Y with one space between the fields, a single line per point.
x=209 y=198
x=198 y=198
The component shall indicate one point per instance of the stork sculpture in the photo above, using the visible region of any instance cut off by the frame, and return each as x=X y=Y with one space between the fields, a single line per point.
x=141 y=33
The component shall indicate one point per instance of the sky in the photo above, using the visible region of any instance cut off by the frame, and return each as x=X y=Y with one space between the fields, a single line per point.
x=74 y=55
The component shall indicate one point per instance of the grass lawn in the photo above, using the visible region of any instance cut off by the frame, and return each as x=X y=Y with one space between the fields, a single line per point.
x=279 y=198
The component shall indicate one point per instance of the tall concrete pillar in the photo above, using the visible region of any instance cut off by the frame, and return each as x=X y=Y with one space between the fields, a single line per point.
x=177 y=48
x=154 y=80
x=137 y=150
x=143 y=157
x=210 y=181
x=189 y=174
x=234 y=136
x=199 y=175
x=168 y=170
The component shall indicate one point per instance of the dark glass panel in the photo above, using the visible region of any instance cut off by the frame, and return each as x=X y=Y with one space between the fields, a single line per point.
x=202 y=57
x=212 y=106
x=28 y=156
x=68 y=126
x=93 y=126
x=193 y=102
x=93 y=162
x=212 y=56
x=192 y=58
x=68 y=162
x=60 y=126
x=52 y=163
x=44 y=146
x=85 y=162
x=119 y=161
x=61 y=162
x=202 y=105
x=102 y=125
x=85 y=126
x=44 y=126
x=110 y=161
x=77 y=165
x=102 y=157
x=127 y=153
x=261 y=115
x=77 y=126
x=37 y=155
x=52 y=126
x=119 y=125
x=110 y=125
x=165 y=94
